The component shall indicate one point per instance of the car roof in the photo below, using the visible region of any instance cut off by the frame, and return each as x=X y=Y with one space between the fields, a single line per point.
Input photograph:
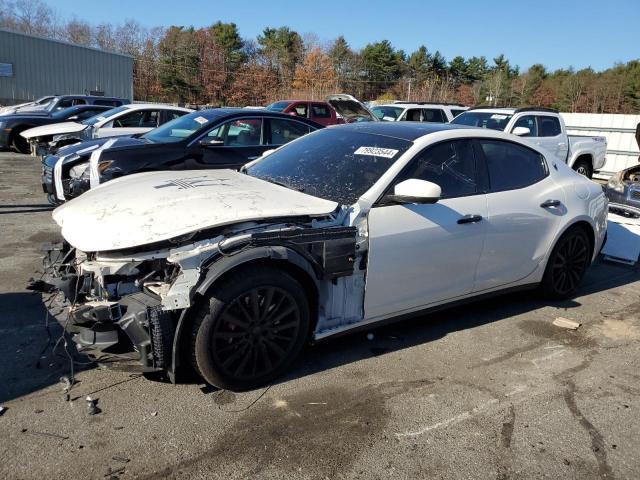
x=228 y=113
x=505 y=110
x=420 y=105
x=163 y=106
x=403 y=130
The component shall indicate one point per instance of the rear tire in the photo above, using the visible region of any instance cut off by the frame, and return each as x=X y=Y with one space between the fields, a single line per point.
x=250 y=328
x=583 y=167
x=567 y=265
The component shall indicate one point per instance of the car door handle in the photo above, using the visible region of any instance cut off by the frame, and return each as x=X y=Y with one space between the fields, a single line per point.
x=469 y=219
x=550 y=204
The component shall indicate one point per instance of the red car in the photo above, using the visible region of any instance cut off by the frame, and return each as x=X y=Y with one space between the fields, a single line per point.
x=319 y=112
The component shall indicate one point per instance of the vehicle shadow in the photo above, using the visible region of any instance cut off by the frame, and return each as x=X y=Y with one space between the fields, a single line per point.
x=426 y=328
x=28 y=362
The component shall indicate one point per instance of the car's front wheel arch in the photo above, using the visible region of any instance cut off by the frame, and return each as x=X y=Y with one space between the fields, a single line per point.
x=249 y=326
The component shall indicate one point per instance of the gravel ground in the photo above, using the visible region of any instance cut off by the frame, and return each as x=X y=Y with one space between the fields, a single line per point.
x=489 y=390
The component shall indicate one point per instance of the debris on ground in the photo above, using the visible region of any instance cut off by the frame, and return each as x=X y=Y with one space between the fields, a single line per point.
x=2 y=410
x=566 y=323
x=154 y=414
x=92 y=406
x=120 y=459
x=45 y=434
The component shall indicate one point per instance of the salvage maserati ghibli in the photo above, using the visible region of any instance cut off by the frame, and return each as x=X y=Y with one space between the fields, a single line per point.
x=233 y=272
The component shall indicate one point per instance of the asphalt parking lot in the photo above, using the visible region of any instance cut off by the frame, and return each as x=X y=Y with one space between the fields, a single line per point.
x=489 y=390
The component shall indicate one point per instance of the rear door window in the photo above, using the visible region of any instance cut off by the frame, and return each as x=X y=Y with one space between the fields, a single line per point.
x=548 y=126
x=413 y=115
x=319 y=110
x=283 y=131
x=435 y=115
x=511 y=166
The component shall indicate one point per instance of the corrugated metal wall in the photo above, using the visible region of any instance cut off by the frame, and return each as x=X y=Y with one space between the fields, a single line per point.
x=46 y=67
x=620 y=130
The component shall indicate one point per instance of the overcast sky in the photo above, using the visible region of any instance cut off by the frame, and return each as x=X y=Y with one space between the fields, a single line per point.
x=558 y=33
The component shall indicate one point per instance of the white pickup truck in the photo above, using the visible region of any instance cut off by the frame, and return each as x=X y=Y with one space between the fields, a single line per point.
x=544 y=127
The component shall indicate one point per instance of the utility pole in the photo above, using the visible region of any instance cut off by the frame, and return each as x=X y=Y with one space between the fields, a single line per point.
x=409 y=90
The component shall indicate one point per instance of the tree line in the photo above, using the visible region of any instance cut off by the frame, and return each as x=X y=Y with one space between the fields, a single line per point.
x=216 y=66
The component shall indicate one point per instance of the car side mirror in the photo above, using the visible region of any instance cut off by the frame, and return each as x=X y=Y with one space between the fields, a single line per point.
x=414 y=190
x=521 y=131
x=211 y=142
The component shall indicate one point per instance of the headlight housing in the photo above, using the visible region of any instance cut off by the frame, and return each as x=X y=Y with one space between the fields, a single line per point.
x=615 y=184
x=80 y=171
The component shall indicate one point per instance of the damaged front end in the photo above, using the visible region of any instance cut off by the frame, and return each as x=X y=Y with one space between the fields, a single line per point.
x=111 y=311
x=623 y=192
x=133 y=305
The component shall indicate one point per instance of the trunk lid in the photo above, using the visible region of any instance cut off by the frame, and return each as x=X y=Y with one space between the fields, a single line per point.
x=350 y=108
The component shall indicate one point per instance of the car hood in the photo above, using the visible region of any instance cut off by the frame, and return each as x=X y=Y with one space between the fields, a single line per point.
x=53 y=129
x=146 y=208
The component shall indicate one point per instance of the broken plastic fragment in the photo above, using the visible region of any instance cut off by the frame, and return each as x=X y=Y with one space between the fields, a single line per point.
x=566 y=323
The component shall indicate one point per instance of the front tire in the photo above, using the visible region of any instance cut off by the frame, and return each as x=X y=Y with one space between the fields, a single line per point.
x=20 y=144
x=250 y=329
x=567 y=265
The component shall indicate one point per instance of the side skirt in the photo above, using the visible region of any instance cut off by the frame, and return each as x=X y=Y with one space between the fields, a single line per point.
x=368 y=324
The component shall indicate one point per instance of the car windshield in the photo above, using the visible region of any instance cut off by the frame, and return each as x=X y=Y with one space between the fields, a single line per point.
x=491 y=120
x=103 y=115
x=335 y=164
x=179 y=128
x=278 y=106
x=389 y=114
x=64 y=113
x=44 y=101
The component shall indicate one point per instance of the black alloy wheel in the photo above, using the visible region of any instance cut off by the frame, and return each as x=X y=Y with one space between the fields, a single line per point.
x=255 y=333
x=253 y=327
x=567 y=264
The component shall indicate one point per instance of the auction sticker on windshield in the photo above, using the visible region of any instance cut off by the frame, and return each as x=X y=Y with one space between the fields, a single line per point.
x=497 y=116
x=376 y=152
x=201 y=120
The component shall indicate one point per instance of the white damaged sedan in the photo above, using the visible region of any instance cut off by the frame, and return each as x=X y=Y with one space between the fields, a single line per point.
x=233 y=272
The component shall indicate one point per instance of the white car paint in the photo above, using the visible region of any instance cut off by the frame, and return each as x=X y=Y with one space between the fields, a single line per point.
x=106 y=126
x=450 y=111
x=53 y=129
x=150 y=207
x=415 y=256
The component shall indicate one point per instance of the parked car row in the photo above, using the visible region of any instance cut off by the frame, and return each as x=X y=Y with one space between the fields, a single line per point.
x=126 y=120
x=226 y=239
